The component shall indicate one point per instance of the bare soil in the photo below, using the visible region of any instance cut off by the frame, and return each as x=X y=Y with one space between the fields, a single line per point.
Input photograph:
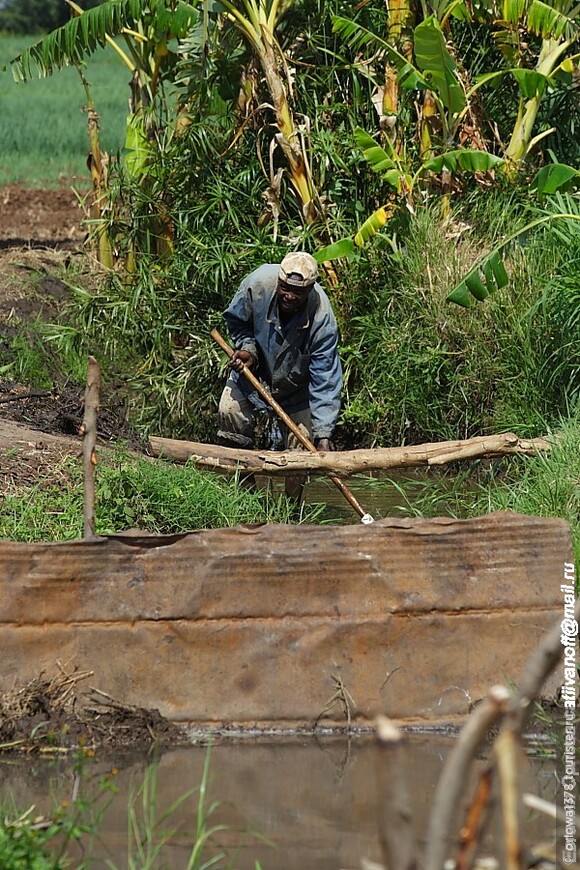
x=41 y=233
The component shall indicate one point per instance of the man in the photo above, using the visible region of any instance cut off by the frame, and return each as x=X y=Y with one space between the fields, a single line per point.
x=284 y=330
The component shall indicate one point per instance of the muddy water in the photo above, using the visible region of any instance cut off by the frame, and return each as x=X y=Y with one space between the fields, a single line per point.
x=316 y=801
x=383 y=494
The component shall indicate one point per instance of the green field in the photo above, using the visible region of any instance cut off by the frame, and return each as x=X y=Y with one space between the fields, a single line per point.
x=43 y=128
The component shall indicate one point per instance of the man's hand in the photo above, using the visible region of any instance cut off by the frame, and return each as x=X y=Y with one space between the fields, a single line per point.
x=323 y=444
x=240 y=359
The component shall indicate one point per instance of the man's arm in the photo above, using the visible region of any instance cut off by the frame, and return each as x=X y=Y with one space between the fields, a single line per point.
x=325 y=384
x=239 y=316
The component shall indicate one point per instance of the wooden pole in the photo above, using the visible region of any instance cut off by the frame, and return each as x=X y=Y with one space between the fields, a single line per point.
x=88 y=430
x=289 y=422
x=395 y=820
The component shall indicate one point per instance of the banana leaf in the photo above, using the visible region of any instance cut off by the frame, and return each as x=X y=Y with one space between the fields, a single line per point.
x=438 y=65
x=342 y=248
x=381 y=159
x=551 y=178
x=82 y=35
x=531 y=83
x=488 y=275
x=371 y=227
x=464 y=160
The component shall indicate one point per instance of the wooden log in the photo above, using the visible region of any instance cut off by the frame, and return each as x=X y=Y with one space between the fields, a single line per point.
x=230 y=460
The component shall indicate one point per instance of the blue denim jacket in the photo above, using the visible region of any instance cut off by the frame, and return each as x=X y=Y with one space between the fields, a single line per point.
x=298 y=360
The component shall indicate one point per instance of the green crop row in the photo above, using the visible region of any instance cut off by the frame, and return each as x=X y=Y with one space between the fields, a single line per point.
x=43 y=126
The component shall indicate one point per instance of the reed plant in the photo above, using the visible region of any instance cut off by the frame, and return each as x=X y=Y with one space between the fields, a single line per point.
x=155 y=834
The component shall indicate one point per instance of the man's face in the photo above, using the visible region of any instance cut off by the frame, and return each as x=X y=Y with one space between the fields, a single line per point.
x=292 y=299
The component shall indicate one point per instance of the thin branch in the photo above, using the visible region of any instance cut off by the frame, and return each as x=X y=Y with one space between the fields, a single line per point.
x=31 y=394
x=88 y=429
x=452 y=780
x=395 y=821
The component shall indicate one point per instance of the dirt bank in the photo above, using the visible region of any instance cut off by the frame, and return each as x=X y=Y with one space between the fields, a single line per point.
x=41 y=239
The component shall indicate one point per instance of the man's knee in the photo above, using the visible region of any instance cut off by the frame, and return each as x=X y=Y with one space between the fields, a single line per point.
x=235 y=419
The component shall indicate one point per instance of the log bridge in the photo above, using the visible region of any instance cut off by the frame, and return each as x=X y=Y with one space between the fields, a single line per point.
x=346 y=462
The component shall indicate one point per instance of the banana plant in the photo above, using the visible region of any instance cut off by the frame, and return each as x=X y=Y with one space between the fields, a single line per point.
x=257 y=21
x=490 y=273
x=557 y=24
x=146 y=28
x=435 y=72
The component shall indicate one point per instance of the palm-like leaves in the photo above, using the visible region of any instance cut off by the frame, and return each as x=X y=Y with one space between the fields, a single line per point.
x=556 y=20
x=490 y=274
x=81 y=36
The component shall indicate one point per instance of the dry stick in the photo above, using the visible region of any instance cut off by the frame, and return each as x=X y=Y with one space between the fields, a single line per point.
x=306 y=442
x=395 y=822
x=507 y=749
x=472 y=829
x=452 y=780
x=31 y=394
x=89 y=430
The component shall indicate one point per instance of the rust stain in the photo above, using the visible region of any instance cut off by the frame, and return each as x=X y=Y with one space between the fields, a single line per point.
x=249 y=624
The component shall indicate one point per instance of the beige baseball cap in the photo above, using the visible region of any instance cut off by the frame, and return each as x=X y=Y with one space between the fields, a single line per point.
x=298 y=269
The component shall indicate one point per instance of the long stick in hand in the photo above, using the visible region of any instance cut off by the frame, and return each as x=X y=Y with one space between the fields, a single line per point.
x=306 y=442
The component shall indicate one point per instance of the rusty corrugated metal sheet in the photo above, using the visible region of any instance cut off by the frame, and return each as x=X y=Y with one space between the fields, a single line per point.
x=254 y=625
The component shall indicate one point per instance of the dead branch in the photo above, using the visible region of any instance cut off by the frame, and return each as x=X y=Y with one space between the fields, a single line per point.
x=395 y=820
x=452 y=780
x=30 y=394
x=231 y=460
x=543 y=661
x=342 y=698
x=89 y=430
x=472 y=829
x=507 y=749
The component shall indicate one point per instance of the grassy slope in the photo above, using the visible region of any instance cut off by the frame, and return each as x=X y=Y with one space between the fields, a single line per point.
x=43 y=128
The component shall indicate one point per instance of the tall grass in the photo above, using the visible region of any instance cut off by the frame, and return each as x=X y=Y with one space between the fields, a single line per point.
x=43 y=129
x=420 y=368
x=154 y=496
x=544 y=485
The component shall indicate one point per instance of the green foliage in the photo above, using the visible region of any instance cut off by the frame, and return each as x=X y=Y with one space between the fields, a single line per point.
x=489 y=273
x=44 y=135
x=71 y=43
x=437 y=64
x=23 y=846
x=418 y=369
x=136 y=493
x=153 y=835
x=544 y=485
x=27 y=357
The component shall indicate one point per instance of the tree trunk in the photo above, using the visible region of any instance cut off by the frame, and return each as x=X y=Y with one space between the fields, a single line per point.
x=230 y=460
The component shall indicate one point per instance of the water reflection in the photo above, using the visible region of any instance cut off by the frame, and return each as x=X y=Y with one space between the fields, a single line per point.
x=315 y=800
x=382 y=494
